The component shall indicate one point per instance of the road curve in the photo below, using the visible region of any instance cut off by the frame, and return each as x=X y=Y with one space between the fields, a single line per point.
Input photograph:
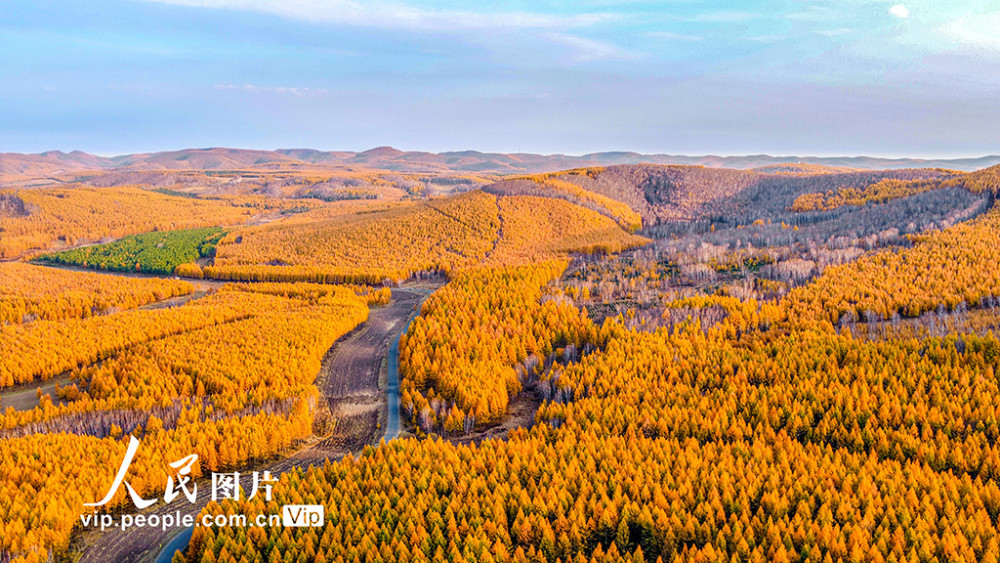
x=349 y=381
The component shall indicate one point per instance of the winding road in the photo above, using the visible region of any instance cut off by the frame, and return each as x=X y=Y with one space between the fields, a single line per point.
x=349 y=382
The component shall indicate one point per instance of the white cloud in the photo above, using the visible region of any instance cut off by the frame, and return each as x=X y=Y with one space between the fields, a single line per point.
x=589 y=49
x=384 y=15
x=979 y=32
x=899 y=11
x=298 y=92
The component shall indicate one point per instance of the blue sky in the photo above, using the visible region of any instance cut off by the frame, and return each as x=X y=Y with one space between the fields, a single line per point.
x=836 y=77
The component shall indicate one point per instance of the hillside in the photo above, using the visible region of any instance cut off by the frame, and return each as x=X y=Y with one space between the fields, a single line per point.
x=683 y=193
x=432 y=237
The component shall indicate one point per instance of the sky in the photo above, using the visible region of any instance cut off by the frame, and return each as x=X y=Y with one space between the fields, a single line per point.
x=789 y=77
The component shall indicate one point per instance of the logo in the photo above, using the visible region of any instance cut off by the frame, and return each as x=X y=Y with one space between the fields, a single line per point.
x=302 y=515
x=181 y=483
x=225 y=486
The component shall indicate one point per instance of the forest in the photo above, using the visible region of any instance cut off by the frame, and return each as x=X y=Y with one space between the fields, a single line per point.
x=149 y=253
x=47 y=219
x=630 y=363
x=29 y=293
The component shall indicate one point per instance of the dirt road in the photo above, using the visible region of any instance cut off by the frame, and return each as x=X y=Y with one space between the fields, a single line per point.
x=24 y=397
x=361 y=404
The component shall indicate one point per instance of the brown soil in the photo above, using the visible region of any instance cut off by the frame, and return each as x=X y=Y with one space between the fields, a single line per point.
x=520 y=414
x=24 y=397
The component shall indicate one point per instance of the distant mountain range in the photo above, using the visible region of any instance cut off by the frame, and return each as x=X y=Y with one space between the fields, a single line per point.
x=388 y=158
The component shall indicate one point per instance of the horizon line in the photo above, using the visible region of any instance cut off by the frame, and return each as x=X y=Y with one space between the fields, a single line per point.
x=480 y=151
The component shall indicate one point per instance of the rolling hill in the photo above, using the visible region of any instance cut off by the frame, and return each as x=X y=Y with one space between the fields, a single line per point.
x=16 y=165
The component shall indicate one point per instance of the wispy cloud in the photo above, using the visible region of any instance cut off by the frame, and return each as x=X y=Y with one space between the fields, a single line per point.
x=585 y=49
x=382 y=15
x=834 y=32
x=722 y=16
x=672 y=36
x=767 y=38
x=298 y=92
x=812 y=13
